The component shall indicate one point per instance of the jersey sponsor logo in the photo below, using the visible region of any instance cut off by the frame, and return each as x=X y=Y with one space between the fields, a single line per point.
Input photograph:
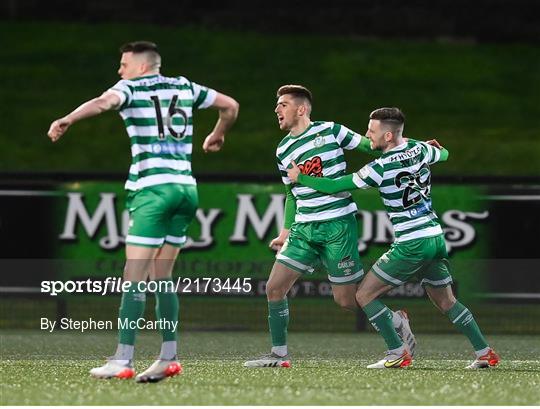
x=168 y=148
x=418 y=182
x=319 y=141
x=312 y=167
x=421 y=209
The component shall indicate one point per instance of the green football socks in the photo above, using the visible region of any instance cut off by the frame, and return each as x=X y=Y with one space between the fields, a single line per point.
x=131 y=309
x=167 y=308
x=463 y=320
x=380 y=317
x=278 y=321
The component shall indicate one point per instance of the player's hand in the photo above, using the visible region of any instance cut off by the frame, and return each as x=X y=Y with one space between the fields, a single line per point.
x=213 y=143
x=293 y=172
x=279 y=241
x=58 y=128
x=434 y=142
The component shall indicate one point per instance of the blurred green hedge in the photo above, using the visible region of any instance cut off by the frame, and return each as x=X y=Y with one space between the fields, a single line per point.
x=480 y=101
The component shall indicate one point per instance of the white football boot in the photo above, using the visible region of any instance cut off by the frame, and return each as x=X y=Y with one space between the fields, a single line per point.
x=271 y=360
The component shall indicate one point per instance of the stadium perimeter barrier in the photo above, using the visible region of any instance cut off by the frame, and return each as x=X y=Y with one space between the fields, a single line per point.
x=72 y=228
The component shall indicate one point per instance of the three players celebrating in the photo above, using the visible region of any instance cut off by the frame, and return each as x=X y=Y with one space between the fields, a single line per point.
x=319 y=220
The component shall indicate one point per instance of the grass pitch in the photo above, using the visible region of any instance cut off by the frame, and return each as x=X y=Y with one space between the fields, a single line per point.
x=38 y=368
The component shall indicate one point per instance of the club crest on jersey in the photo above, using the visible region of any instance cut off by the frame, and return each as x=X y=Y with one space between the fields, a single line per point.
x=319 y=141
x=312 y=167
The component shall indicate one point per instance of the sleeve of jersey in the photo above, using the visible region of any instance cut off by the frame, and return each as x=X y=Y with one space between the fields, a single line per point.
x=328 y=185
x=290 y=208
x=370 y=175
x=124 y=92
x=436 y=154
x=203 y=97
x=365 y=146
x=346 y=138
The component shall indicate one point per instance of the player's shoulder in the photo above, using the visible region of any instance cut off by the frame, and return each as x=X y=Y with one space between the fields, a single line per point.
x=283 y=143
x=414 y=142
x=377 y=163
x=375 y=166
x=323 y=123
x=420 y=146
x=179 y=79
x=123 y=83
x=319 y=126
x=325 y=128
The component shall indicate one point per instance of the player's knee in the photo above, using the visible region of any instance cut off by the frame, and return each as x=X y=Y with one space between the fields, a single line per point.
x=361 y=298
x=346 y=303
x=445 y=303
x=274 y=293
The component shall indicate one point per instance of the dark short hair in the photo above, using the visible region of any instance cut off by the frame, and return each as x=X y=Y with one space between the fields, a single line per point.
x=388 y=116
x=297 y=91
x=137 y=47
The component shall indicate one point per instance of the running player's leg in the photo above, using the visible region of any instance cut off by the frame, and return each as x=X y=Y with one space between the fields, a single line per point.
x=295 y=258
x=464 y=321
x=380 y=317
x=437 y=282
x=393 y=269
x=138 y=264
x=340 y=256
x=183 y=202
x=146 y=235
x=131 y=309
x=167 y=305
x=280 y=282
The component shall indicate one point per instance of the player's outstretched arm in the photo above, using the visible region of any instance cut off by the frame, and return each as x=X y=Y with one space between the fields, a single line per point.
x=107 y=101
x=228 y=112
x=325 y=185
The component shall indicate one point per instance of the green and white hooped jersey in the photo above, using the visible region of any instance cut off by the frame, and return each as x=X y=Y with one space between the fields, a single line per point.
x=403 y=178
x=318 y=151
x=158 y=115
